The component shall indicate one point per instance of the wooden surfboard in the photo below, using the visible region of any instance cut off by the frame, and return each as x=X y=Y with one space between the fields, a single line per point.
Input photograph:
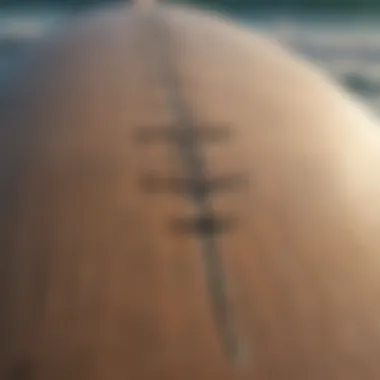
x=183 y=199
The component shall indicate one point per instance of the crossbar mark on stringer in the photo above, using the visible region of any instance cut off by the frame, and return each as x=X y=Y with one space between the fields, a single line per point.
x=204 y=133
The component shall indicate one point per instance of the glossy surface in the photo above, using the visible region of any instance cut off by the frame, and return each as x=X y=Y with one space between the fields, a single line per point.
x=143 y=149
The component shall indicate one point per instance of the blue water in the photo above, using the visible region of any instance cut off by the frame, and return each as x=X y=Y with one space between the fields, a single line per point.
x=357 y=40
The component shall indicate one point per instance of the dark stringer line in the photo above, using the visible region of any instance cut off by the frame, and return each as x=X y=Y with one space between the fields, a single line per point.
x=206 y=225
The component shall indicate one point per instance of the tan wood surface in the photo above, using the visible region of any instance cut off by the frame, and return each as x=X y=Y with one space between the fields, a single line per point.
x=105 y=278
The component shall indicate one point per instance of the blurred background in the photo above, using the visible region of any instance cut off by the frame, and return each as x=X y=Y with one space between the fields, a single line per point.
x=342 y=36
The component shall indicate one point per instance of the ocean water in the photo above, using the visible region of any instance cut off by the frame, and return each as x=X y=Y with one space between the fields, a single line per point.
x=19 y=29
x=347 y=47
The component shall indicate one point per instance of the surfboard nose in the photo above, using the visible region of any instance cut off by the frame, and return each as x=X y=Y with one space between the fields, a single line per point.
x=181 y=198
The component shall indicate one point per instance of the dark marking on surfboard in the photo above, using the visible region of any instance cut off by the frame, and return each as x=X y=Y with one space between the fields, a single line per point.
x=188 y=135
x=204 y=224
x=204 y=133
x=193 y=187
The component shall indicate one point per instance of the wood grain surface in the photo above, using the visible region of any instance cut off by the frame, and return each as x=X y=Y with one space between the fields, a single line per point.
x=182 y=199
